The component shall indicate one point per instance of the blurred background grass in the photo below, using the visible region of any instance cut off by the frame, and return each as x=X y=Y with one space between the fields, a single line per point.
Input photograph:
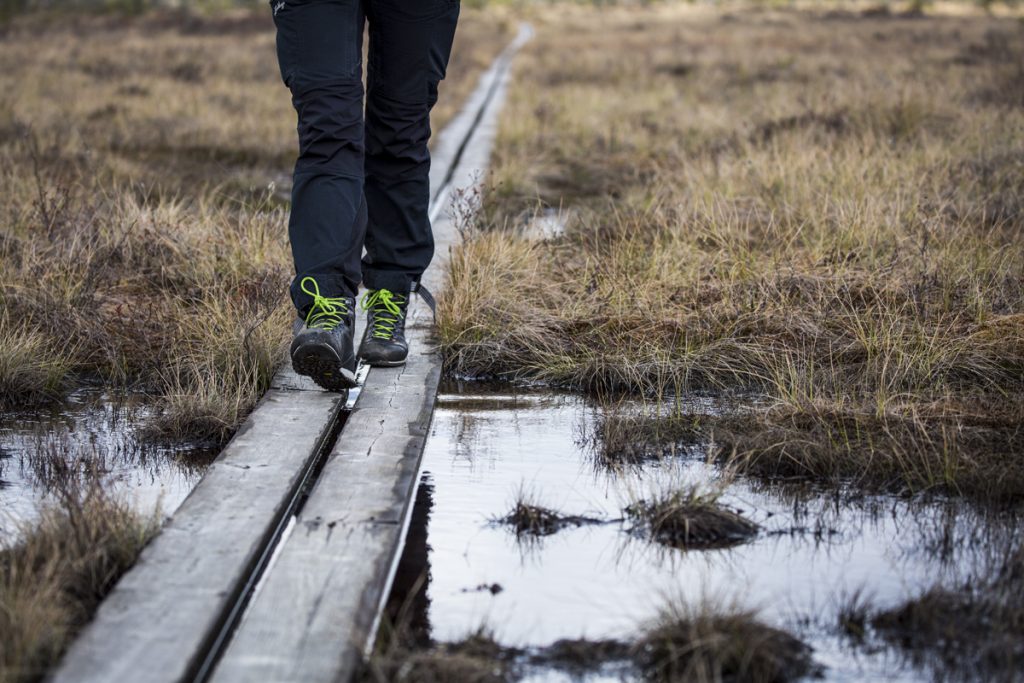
x=13 y=8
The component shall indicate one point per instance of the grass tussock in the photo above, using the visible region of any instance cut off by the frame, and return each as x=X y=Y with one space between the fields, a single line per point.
x=478 y=658
x=973 y=632
x=833 y=224
x=626 y=436
x=53 y=579
x=702 y=644
x=690 y=519
x=976 y=633
x=31 y=371
x=144 y=229
x=579 y=656
x=528 y=518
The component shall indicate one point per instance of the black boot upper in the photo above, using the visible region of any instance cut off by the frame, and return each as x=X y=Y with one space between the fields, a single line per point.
x=323 y=345
x=384 y=342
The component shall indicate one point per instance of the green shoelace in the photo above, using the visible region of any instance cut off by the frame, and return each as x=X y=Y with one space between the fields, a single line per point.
x=327 y=312
x=383 y=302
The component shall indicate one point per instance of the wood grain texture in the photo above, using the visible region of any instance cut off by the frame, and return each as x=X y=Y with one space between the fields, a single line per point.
x=312 y=617
x=314 y=611
x=315 y=614
x=158 y=618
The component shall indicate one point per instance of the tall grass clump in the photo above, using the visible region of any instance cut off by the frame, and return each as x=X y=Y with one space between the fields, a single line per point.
x=968 y=632
x=56 y=575
x=31 y=370
x=705 y=643
x=689 y=518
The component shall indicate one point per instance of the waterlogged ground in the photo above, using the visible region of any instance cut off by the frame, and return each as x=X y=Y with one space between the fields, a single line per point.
x=43 y=451
x=815 y=550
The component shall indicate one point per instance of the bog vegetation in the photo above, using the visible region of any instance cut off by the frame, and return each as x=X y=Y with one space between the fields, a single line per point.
x=818 y=214
x=815 y=215
x=145 y=164
x=146 y=171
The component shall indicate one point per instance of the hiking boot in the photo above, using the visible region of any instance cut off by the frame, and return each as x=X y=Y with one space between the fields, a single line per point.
x=383 y=343
x=322 y=347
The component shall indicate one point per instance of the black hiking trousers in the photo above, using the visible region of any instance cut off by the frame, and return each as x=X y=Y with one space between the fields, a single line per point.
x=362 y=182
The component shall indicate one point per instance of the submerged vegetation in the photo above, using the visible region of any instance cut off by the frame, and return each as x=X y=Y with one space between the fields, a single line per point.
x=713 y=644
x=761 y=204
x=972 y=633
x=478 y=658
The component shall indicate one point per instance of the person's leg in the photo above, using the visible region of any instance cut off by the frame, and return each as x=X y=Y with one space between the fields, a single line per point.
x=410 y=41
x=320 y=53
x=319 y=47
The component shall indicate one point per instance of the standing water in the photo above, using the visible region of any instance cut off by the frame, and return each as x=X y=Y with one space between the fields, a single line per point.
x=816 y=550
x=93 y=433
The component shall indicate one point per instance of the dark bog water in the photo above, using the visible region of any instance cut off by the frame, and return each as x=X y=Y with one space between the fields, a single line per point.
x=813 y=552
x=92 y=432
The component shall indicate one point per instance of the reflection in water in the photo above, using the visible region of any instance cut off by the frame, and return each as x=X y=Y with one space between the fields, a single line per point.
x=409 y=604
x=817 y=548
x=92 y=433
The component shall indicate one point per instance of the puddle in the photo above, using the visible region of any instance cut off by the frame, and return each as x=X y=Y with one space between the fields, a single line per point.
x=599 y=581
x=97 y=430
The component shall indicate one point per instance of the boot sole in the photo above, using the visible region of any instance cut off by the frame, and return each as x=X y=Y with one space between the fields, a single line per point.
x=384 y=363
x=321 y=364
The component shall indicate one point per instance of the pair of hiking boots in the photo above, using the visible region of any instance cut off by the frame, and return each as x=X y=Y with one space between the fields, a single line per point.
x=323 y=345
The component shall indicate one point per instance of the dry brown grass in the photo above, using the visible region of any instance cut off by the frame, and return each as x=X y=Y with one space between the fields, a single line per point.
x=820 y=208
x=142 y=242
x=51 y=582
x=477 y=658
x=704 y=642
x=707 y=643
x=690 y=518
x=529 y=519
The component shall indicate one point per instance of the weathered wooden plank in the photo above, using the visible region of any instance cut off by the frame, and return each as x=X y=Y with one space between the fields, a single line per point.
x=163 y=614
x=334 y=570
x=159 y=617
x=474 y=152
x=315 y=613
x=450 y=153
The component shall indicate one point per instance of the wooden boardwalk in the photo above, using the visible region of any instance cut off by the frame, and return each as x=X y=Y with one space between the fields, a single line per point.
x=276 y=567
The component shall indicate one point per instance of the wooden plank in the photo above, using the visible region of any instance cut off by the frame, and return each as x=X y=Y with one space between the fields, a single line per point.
x=161 y=614
x=160 y=622
x=449 y=170
x=315 y=614
x=311 y=618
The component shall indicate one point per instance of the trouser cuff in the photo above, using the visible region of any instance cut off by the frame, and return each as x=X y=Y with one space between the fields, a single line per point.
x=397 y=281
